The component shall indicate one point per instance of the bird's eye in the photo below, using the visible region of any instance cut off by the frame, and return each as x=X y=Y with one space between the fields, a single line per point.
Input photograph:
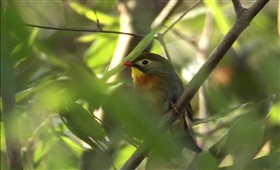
x=145 y=62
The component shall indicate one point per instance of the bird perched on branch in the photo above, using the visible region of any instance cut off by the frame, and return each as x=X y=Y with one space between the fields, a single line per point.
x=155 y=78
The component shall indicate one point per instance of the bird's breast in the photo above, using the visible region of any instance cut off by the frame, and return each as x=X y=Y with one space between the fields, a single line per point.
x=152 y=89
x=145 y=81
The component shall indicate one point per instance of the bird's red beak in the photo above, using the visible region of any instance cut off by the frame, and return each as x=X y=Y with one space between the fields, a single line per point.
x=128 y=64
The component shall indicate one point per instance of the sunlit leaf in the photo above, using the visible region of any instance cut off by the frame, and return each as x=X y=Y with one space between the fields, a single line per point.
x=42 y=149
x=88 y=13
x=87 y=38
x=274 y=115
x=122 y=155
x=73 y=145
x=95 y=56
x=33 y=36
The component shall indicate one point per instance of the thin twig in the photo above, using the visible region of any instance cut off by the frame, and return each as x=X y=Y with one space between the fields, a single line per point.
x=160 y=39
x=97 y=21
x=162 y=17
x=187 y=39
x=196 y=82
x=178 y=19
x=83 y=30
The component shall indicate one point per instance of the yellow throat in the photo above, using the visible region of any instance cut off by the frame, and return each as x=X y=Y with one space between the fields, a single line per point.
x=143 y=81
x=136 y=73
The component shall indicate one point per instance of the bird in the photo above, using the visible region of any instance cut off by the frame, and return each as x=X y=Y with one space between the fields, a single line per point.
x=156 y=79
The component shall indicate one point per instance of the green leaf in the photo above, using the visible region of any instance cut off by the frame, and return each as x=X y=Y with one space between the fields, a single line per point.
x=25 y=93
x=82 y=124
x=245 y=137
x=86 y=85
x=96 y=56
x=33 y=36
x=42 y=149
x=206 y=161
x=89 y=14
x=132 y=55
x=41 y=12
x=78 y=149
x=224 y=114
x=270 y=161
x=122 y=155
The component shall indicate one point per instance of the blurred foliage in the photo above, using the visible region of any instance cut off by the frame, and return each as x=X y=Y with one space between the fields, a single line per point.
x=61 y=83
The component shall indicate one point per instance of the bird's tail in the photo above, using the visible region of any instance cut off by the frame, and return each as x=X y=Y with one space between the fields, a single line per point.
x=189 y=140
x=183 y=133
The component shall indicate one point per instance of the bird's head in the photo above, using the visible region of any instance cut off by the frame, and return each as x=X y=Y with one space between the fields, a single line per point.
x=149 y=64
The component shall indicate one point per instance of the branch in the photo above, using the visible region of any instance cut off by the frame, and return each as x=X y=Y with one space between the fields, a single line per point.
x=214 y=58
x=165 y=13
x=237 y=7
x=218 y=53
x=84 y=30
x=136 y=158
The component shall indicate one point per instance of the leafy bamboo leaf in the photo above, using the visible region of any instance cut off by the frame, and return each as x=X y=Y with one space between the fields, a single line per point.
x=132 y=55
x=222 y=114
x=221 y=20
x=83 y=124
x=95 y=56
x=206 y=161
x=86 y=85
x=245 y=136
